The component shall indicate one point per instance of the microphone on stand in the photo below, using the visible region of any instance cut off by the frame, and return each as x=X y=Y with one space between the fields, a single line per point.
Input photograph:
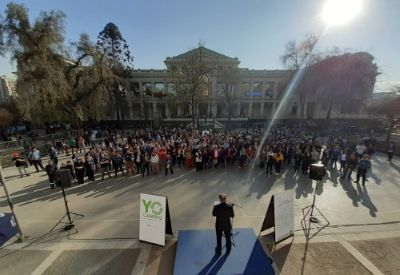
x=234 y=204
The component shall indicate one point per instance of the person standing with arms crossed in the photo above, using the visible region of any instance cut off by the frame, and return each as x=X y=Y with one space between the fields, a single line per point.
x=223 y=213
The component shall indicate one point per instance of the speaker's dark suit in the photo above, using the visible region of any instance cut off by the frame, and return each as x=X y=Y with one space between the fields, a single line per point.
x=223 y=212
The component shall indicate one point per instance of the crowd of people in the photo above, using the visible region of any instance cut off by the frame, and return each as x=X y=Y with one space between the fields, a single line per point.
x=143 y=152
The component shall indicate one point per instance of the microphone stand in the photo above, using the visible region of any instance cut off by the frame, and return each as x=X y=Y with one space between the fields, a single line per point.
x=232 y=233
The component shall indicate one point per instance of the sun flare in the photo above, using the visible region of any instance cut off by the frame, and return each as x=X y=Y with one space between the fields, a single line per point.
x=338 y=12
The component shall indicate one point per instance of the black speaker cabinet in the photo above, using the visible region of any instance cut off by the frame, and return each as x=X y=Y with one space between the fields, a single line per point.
x=63 y=178
x=317 y=171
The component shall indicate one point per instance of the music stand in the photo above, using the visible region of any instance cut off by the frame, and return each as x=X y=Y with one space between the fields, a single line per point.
x=63 y=179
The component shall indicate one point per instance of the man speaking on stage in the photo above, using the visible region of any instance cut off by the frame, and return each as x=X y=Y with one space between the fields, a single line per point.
x=223 y=212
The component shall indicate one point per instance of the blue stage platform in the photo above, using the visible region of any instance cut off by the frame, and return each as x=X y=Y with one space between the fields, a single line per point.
x=8 y=228
x=195 y=254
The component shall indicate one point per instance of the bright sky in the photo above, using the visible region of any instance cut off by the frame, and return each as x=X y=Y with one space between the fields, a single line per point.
x=255 y=31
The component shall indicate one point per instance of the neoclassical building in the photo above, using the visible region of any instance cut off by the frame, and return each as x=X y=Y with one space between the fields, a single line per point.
x=254 y=96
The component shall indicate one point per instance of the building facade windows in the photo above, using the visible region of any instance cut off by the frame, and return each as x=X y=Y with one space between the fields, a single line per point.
x=147 y=88
x=171 y=88
x=269 y=89
x=257 y=90
x=256 y=94
x=159 y=87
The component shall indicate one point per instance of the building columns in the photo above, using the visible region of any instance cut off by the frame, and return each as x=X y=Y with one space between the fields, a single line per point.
x=262 y=115
x=214 y=108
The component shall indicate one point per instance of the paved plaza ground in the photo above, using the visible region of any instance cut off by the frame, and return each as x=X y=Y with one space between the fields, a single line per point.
x=363 y=236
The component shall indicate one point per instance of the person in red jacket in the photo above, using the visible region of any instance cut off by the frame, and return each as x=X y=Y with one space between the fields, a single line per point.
x=215 y=157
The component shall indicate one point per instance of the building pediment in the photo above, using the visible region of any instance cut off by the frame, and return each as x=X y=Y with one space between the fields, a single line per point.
x=207 y=54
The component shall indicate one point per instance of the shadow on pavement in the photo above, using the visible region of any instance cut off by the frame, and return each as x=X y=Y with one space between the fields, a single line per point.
x=366 y=200
x=304 y=186
x=261 y=184
x=42 y=192
x=351 y=192
x=395 y=167
x=375 y=178
x=280 y=255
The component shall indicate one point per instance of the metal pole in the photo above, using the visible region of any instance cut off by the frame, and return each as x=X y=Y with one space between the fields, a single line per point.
x=3 y=182
x=313 y=203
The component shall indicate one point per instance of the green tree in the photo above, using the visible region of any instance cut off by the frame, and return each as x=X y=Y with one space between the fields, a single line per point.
x=36 y=48
x=2 y=46
x=11 y=107
x=114 y=46
x=88 y=75
x=50 y=79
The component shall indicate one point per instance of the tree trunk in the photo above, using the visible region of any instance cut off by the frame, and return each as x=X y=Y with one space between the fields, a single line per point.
x=76 y=123
x=117 y=110
x=121 y=108
x=328 y=113
x=146 y=112
x=193 y=113
x=229 y=112
x=161 y=112
x=302 y=106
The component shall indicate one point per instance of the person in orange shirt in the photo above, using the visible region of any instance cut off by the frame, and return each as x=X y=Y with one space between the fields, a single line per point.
x=278 y=162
